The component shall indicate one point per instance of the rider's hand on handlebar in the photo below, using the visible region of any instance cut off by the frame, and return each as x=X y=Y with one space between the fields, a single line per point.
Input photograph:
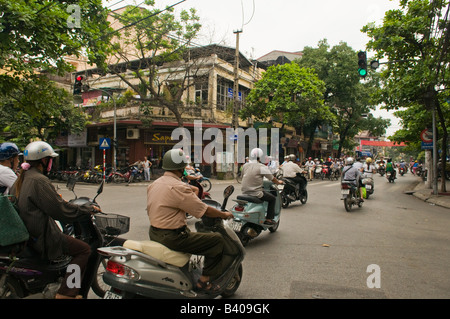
x=227 y=215
x=95 y=209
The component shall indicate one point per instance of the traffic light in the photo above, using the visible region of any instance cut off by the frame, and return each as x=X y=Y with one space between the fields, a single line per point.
x=77 y=86
x=362 y=64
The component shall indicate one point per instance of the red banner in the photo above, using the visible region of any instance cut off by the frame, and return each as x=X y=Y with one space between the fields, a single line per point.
x=381 y=143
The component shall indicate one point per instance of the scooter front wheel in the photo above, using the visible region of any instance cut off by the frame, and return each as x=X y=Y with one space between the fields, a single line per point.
x=234 y=284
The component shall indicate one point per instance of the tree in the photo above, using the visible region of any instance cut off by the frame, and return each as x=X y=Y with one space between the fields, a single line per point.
x=35 y=38
x=289 y=94
x=157 y=40
x=38 y=35
x=346 y=96
x=37 y=108
x=415 y=39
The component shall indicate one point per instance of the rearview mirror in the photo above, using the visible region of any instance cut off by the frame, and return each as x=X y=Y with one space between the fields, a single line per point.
x=228 y=191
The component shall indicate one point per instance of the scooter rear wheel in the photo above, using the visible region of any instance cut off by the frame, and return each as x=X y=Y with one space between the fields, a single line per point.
x=274 y=227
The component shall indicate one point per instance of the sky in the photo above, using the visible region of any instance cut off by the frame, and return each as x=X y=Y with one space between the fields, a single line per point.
x=286 y=25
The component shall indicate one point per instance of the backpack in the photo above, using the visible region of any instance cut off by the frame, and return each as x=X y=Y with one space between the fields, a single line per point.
x=12 y=228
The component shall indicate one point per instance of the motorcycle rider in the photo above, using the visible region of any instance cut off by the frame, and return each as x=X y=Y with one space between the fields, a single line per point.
x=9 y=161
x=168 y=201
x=40 y=205
x=352 y=174
x=368 y=168
x=253 y=173
x=290 y=170
x=390 y=168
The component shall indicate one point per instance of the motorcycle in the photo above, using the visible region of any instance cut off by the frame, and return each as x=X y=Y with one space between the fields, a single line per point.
x=350 y=195
x=134 y=174
x=148 y=269
x=381 y=169
x=292 y=191
x=390 y=176
x=318 y=171
x=204 y=181
x=27 y=275
x=326 y=172
x=249 y=214
x=368 y=183
x=402 y=170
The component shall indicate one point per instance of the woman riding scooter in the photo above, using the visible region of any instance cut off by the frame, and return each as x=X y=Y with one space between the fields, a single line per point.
x=40 y=205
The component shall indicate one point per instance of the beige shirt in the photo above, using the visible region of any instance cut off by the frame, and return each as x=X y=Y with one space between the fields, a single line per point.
x=290 y=169
x=252 y=178
x=168 y=201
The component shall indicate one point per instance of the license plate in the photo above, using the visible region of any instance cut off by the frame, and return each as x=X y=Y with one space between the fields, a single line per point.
x=368 y=186
x=112 y=295
x=236 y=226
x=345 y=191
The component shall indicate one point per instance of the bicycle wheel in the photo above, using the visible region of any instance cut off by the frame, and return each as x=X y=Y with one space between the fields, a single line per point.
x=206 y=184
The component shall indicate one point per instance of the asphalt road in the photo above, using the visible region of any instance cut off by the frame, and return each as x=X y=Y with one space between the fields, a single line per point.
x=396 y=243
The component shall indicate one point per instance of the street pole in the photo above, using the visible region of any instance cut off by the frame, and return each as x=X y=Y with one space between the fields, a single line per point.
x=435 y=172
x=236 y=101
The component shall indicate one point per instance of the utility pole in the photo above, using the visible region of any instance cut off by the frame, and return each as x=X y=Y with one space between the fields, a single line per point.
x=236 y=100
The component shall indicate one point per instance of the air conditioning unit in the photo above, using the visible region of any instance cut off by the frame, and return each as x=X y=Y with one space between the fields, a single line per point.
x=132 y=133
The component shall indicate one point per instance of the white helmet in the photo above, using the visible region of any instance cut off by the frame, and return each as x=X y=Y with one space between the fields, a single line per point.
x=349 y=160
x=38 y=150
x=256 y=153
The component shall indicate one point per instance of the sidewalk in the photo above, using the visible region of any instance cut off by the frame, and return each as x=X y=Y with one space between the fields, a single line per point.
x=426 y=194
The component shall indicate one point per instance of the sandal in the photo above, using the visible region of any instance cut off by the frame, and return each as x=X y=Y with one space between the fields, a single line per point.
x=269 y=222
x=207 y=287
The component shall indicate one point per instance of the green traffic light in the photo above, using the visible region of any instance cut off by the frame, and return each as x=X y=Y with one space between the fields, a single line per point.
x=362 y=72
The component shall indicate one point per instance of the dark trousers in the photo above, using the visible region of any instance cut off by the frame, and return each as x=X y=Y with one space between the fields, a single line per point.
x=80 y=252
x=270 y=199
x=209 y=245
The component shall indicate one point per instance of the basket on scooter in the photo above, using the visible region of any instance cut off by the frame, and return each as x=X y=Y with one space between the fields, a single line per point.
x=112 y=224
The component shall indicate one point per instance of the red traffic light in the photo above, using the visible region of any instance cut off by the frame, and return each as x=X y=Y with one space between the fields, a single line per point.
x=79 y=78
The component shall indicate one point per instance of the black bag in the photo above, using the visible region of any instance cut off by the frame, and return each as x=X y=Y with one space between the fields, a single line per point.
x=12 y=228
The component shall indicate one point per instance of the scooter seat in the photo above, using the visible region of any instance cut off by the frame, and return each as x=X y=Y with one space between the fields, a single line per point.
x=251 y=199
x=158 y=251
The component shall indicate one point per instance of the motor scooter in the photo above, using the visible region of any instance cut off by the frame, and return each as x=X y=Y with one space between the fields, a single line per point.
x=318 y=171
x=368 y=183
x=350 y=195
x=250 y=214
x=390 y=175
x=24 y=274
x=148 y=269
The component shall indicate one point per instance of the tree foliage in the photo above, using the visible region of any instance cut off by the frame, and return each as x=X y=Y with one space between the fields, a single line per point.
x=156 y=39
x=415 y=39
x=346 y=96
x=36 y=36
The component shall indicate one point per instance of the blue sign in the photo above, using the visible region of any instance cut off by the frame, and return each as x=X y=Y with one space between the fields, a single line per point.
x=104 y=143
x=427 y=146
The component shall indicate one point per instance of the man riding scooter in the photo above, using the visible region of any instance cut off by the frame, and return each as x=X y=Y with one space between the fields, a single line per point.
x=290 y=171
x=168 y=200
x=253 y=173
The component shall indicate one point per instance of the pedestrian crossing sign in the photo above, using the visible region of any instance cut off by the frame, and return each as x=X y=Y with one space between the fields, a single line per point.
x=104 y=143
